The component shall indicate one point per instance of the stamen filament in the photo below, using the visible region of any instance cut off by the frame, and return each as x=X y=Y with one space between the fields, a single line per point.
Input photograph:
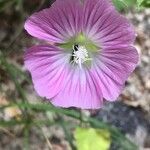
x=80 y=55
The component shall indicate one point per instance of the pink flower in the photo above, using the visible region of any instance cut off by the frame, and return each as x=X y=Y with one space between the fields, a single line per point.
x=92 y=55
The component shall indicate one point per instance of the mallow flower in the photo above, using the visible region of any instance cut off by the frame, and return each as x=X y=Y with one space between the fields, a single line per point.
x=86 y=56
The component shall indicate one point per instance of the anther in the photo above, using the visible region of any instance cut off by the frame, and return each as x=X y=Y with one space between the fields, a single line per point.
x=79 y=55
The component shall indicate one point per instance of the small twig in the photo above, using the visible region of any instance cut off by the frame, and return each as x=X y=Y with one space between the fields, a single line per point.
x=8 y=132
x=47 y=140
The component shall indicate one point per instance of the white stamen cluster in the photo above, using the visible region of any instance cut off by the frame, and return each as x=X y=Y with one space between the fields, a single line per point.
x=80 y=55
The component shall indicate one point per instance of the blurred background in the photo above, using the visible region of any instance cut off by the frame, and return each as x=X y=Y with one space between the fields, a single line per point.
x=42 y=127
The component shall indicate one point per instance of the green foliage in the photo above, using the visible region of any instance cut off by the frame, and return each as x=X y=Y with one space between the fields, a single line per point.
x=139 y=2
x=6 y=3
x=114 y=133
x=92 y=139
x=143 y=3
x=125 y=4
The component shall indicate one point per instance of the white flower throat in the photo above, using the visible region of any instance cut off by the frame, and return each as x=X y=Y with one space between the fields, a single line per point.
x=80 y=55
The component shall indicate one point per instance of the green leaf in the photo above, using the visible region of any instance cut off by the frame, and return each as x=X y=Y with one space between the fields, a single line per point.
x=139 y=3
x=92 y=139
x=5 y=3
x=123 y=4
x=143 y=3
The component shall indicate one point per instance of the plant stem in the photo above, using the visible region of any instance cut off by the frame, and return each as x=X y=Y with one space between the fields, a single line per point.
x=116 y=135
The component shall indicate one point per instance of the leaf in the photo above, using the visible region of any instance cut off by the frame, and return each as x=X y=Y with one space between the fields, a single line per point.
x=5 y=3
x=143 y=3
x=139 y=3
x=92 y=139
x=123 y=4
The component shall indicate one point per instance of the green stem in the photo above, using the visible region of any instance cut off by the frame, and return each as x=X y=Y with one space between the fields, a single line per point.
x=116 y=135
x=26 y=137
x=14 y=76
x=81 y=118
x=68 y=136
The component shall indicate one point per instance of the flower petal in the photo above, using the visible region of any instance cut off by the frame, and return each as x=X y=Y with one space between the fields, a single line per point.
x=105 y=26
x=112 y=69
x=79 y=91
x=48 y=67
x=92 y=11
x=57 y=23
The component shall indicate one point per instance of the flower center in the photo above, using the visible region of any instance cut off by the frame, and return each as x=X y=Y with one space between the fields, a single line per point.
x=80 y=47
x=79 y=55
x=80 y=39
